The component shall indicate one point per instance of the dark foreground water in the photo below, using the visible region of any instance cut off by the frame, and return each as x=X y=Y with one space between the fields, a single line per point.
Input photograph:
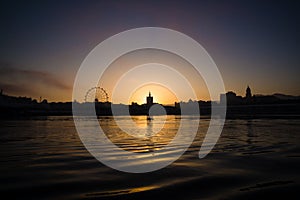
x=253 y=159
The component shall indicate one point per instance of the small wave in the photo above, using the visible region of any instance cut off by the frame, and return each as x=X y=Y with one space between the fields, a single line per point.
x=127 y=191
x=265 y=185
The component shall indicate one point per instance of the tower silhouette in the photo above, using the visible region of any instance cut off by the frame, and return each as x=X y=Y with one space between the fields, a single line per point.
x=149 y=100
x=248 y=93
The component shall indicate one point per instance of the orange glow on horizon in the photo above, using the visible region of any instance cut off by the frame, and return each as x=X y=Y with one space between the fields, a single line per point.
x=147 y=67
x=161 y=95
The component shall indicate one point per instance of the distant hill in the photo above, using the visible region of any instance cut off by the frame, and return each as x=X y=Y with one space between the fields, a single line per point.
x=286 y=97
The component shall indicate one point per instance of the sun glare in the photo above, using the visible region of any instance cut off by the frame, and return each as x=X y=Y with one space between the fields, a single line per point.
x=160 y=94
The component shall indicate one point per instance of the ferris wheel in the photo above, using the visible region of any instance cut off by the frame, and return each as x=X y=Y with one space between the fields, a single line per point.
x=96 y=94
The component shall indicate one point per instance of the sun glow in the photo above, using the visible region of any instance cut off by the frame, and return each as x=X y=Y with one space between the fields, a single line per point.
x=169 y=78
x=160 y=94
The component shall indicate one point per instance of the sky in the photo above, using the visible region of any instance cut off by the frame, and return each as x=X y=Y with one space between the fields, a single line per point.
x=43 y=43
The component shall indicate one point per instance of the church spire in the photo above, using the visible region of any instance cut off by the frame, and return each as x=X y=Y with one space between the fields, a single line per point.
x=248 y=93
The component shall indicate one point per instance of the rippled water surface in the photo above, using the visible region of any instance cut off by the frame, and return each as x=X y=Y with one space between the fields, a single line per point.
x=45 y=159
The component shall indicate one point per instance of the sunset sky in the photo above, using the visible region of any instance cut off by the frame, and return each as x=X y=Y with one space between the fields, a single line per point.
x=43 y=43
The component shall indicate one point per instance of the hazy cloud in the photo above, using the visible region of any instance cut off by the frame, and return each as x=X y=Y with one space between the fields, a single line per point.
x=20 y=81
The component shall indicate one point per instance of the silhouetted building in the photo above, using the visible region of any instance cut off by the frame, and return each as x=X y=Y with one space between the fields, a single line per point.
x=134 y=104
x=149 y=100
x=248 y=93
x=231 y=98
x=248 y=96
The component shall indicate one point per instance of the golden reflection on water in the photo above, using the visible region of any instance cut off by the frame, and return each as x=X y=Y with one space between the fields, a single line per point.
x=149 y=141
x=142 y=188
x=124 y=191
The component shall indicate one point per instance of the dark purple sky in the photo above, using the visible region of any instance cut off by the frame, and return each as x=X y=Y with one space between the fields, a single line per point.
x=252 y=42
